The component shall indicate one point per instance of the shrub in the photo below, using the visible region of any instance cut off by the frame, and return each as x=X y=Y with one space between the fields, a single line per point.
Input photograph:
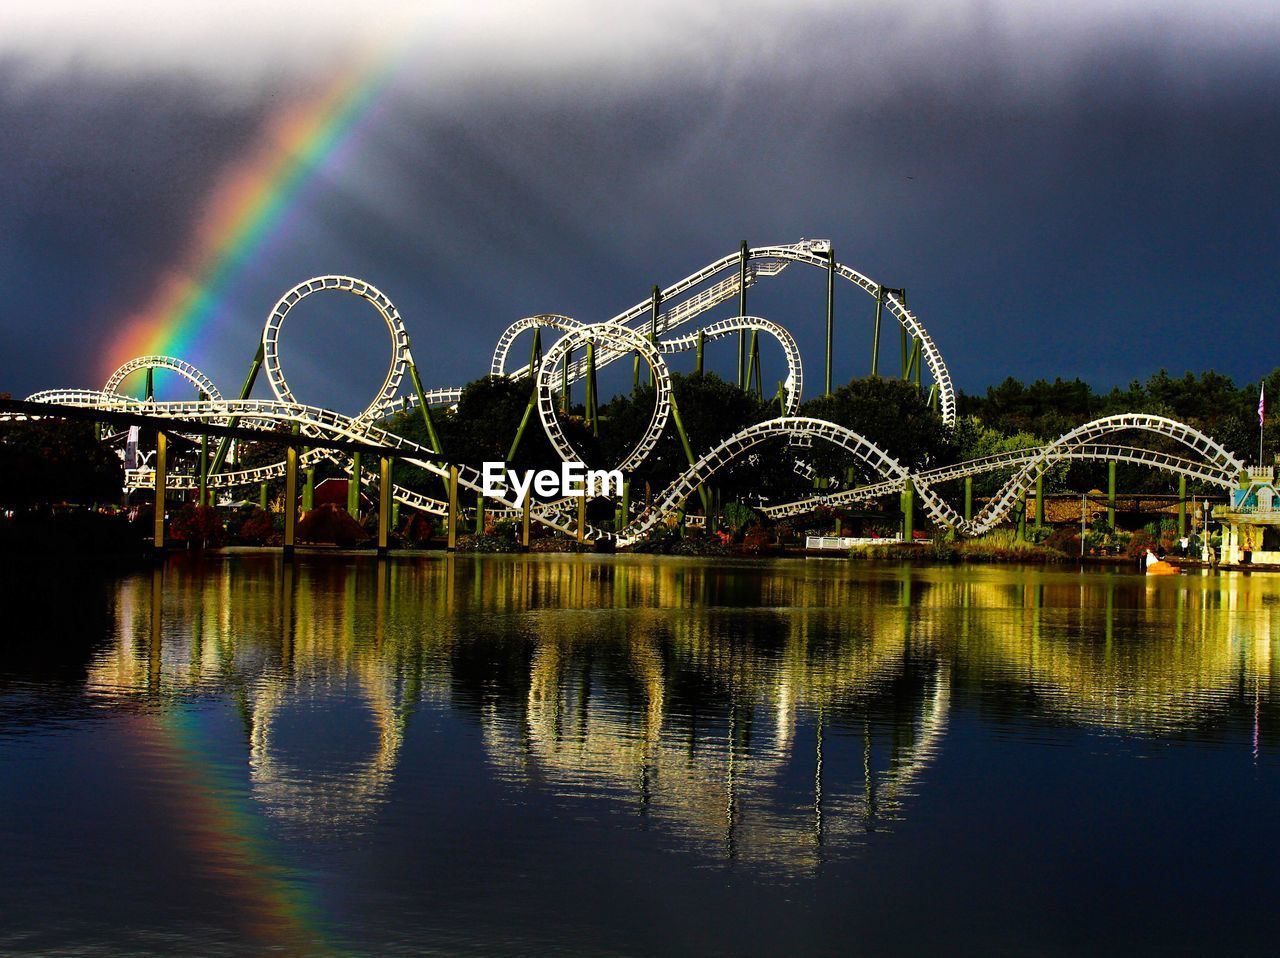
x=199 y=526
x=256 y=528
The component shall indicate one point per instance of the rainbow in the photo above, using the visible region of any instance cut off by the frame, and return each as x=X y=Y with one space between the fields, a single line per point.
x=246 y=207
x=272 y=904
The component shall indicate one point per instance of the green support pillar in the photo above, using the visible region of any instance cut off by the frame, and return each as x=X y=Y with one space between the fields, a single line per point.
x=913 y=362
x=220 y=457
x=564 y=382
x=702 y=345
x=968 y=498
x=875 y=336
x=451 y=520
x=688 y=451
x=353 y=487
x=263 y=496
x=309 y=490
x=831 y=313
x=753 y=365
x=1040 y=501
x=582 y=518
x=162 y=481
x=654 y=308
x=1182 y=506
x=1111 y=494
x=1021 y=534
x=290 y=497
x=525 y=510
x=151 y=385
x=908 y=501
x=479 y=515
x=593 y=416
x=742 y=311
x=535 y=352
x=422 y=404
x=202 y=491
x=384 y=505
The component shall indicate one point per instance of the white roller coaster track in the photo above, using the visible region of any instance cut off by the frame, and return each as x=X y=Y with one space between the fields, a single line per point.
x=629 y=333
x=767 y=261
x=184 y=369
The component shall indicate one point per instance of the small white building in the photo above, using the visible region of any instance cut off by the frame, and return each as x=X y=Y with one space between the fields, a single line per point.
x=1251 y=521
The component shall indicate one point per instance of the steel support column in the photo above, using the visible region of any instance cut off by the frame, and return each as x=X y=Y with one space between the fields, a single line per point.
x=202 y=493
x=451 y=520
x=1182 y=506
x=290 y=497
x=908 y=501
x=162 y=479
x=875 y=336
x=353 y=487
x=309 y=490
x=654 y=308
x=1040 y=501
x=831 y=313
x=384 y=505
x=220 y=457
x=422 y=404
x=1111 y=495
x=742 y=311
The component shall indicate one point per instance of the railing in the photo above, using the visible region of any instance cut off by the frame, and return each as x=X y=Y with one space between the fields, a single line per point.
x=843 y=543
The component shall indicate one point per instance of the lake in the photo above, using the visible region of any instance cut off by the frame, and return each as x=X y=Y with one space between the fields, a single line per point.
x=631 y=755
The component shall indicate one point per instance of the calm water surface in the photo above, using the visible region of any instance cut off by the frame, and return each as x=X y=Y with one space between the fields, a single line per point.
x=636 y=756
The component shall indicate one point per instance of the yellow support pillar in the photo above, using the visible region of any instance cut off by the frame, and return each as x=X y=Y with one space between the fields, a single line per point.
x=162 y=478
x=451 y=521
x=384 y=505
x=582 y=518
x=290 y=498
x=524 y=520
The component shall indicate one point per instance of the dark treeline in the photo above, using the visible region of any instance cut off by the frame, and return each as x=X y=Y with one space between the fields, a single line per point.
x=52 y=462
x=1041 y=411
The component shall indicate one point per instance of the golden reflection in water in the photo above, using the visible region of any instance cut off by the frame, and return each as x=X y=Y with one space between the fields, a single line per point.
x=690 y=690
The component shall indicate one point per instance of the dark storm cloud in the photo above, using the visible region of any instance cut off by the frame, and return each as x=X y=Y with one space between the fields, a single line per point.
x=1095 y=203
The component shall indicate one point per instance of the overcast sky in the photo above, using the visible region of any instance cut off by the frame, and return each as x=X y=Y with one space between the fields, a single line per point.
x=1077 y=189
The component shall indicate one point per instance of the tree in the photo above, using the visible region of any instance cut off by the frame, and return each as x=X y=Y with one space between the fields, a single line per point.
x=891 y=413
x=711 y=411
x=48 y=461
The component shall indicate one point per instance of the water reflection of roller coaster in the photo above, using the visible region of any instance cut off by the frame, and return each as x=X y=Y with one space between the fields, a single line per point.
x=774 y=732
x=647 y=333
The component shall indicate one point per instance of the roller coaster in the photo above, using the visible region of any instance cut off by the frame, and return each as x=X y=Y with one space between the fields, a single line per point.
x=669 y=322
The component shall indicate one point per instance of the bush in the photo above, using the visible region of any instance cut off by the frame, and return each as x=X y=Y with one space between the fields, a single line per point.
x=701 y=546
x=1140 y=542
x=256 y=527
x=417 y=529
x=487 y=543
x=199 y=526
